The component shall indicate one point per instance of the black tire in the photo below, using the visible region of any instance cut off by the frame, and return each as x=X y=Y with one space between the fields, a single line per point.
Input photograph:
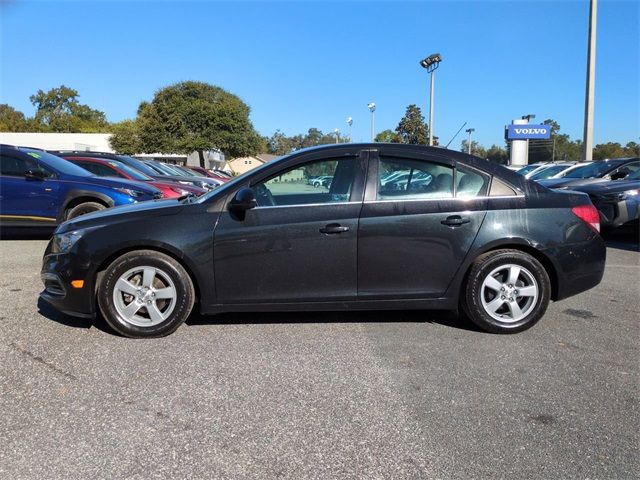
x=164 y=266
x=84 y=208
x=473 y=294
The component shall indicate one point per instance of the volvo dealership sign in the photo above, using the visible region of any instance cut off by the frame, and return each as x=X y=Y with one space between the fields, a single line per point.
x=528 y=132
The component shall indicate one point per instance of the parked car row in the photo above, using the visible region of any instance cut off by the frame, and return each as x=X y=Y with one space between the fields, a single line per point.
x=45 y=188
x=613 y=185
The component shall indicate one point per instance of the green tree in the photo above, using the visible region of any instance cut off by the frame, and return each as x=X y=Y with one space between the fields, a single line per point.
x=632 y=149
x=125 y=137
x=387 y=136
x=12 y=120
x=195 y=116
x=497 y=155
x=412 y=127
x=58 y=110
x=279 y=144
x=476 y=149
x=558 y=147
x=609 y=150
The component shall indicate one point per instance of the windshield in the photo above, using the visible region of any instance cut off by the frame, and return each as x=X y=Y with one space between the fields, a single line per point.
x=138 y=165
x=166 y=169
x=593 y=170
x=548 y=172
x=527 y=169
x=135 y=174
x=58 y=164
x=192 y=173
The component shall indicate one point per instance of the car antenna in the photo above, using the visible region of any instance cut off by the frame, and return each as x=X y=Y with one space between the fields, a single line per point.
x=447 y=145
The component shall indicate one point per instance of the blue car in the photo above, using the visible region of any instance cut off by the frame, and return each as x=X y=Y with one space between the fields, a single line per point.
x=40 y=189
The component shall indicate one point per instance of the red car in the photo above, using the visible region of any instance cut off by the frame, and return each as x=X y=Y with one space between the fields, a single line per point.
x=113 y=168
x=209 y=173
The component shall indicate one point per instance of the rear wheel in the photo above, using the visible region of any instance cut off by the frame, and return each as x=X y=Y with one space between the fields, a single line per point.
x=145 y=294
x=84 y=208
x=507 y=291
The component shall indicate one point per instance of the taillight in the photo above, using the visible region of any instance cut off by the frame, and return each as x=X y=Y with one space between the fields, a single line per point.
x=588 y=214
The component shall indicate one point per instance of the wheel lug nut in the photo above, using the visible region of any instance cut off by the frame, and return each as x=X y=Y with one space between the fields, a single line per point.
x=502 y=297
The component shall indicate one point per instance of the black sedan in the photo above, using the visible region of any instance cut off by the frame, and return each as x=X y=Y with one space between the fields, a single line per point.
x=617 y=201
x=475 y=236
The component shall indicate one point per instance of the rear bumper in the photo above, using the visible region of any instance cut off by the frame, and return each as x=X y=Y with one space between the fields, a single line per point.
x=58 y=270
x=579 y=266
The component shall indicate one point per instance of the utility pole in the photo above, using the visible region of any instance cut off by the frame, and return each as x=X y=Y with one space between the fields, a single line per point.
x=591 y=83
x=469 y=131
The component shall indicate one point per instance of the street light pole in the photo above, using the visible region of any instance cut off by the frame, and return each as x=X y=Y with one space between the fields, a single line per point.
x=337 y=132
x=591 y=83
x=350 y=122
x=431 y=63
x=372 y=109
x=469 y=131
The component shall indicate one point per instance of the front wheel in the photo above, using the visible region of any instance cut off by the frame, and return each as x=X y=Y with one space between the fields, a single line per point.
x=145 y=293
x=83 y=209
x=507 y=291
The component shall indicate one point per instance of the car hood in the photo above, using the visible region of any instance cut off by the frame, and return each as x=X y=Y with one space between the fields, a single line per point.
x=117 y=183
x=153 y=208
x=611 y=186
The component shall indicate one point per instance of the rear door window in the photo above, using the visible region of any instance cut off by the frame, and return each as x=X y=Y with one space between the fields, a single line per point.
x=413 y=179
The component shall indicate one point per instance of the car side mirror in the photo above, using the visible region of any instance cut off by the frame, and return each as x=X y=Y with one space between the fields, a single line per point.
x=618 y=175
x=243 y=200
x=34 y=174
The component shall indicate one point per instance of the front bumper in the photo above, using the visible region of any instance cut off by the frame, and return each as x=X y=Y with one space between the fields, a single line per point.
x=58 y=270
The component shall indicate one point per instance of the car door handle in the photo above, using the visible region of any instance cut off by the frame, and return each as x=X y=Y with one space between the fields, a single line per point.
x=455 y=221
x=333 y=228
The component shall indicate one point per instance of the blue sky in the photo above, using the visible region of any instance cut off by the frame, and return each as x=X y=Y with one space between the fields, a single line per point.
x=313 y=64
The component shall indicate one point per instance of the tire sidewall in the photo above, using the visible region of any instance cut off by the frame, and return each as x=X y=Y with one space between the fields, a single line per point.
x=180 y=278
x=472 y=303
x=84 y=208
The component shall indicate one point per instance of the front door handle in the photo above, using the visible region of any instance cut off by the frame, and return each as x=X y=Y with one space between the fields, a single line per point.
x=455 y=221
x=333 y=228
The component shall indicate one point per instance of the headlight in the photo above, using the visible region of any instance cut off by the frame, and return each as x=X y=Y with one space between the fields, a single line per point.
x=62 y=242
x=130 y=192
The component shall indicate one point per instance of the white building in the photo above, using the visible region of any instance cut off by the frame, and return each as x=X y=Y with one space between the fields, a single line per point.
x=91 y=142
x=99 y=142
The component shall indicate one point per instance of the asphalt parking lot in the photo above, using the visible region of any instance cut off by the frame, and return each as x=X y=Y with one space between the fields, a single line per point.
x=324 y=395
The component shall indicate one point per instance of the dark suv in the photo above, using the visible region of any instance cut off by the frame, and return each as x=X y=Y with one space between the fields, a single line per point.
x=40 y=189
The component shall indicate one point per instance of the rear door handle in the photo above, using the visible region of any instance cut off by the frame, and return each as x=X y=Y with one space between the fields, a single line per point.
x=455 y=221
x=333 y=228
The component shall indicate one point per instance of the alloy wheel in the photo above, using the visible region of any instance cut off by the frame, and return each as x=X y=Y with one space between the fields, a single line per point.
x=509 y=293
x=144 y=296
